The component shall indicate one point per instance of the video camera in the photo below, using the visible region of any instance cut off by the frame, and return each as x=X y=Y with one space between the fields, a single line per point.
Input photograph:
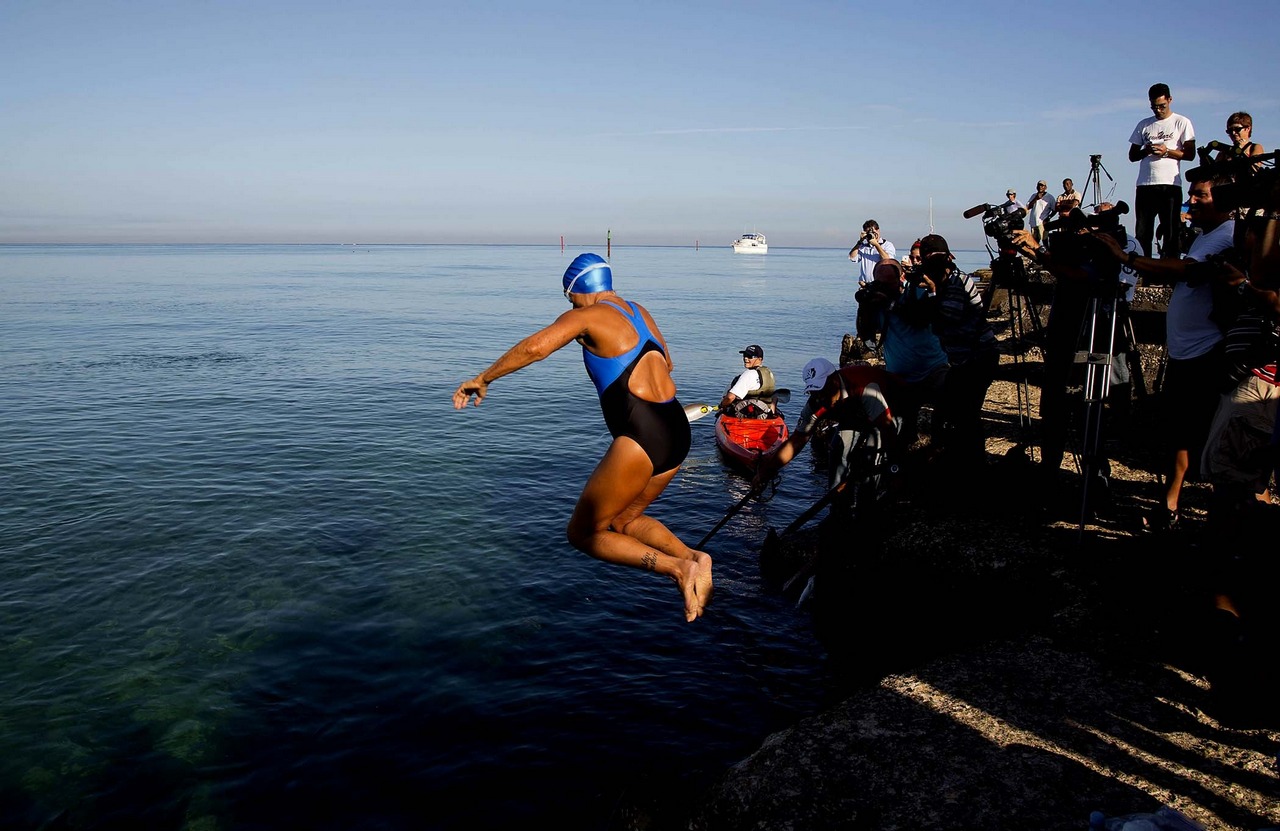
x=999 y=223
x=1069 y=245
x=1253 y=178
x=1077 y=220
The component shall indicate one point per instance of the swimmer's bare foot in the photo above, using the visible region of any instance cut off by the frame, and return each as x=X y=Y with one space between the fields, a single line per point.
x=702 y=583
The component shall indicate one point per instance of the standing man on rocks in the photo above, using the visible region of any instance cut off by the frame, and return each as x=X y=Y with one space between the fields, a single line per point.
x=1039 y=208
x=1159 y=143
x=1196 y=371
x=870 y=250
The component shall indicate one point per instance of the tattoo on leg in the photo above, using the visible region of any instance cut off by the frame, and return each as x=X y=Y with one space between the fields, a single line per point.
x=650 y=560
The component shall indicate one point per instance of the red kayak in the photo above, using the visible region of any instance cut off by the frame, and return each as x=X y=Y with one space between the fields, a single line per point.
x=743 y=440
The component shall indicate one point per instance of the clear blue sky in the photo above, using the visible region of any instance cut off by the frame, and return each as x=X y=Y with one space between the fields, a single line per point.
x=663 y=122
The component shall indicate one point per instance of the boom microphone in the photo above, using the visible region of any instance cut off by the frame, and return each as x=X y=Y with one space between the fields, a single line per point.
x=975 y=210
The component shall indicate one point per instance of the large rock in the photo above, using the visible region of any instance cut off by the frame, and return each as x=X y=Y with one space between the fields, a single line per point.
x=1016 y=661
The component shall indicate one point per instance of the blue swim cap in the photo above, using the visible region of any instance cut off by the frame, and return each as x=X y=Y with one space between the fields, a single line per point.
x=588 y=274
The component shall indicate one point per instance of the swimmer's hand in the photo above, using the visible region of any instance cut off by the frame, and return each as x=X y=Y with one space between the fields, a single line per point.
x=477 y=386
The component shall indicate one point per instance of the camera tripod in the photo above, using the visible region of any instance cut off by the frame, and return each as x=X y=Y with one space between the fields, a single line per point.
x=1121 y=321
x=1093 y=181
x=1096 y=351
x=1008 y=271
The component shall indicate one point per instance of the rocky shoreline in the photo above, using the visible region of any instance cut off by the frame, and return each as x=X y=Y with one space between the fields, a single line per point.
x=1016 y=662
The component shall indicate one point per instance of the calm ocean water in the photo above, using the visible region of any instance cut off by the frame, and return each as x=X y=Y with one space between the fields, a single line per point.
x=258 y=573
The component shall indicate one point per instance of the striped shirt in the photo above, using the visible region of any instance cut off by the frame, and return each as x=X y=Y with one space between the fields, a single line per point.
x=1251 y=340
x=961 y=324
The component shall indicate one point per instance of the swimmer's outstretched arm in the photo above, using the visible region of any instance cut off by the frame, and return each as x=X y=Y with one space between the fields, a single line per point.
x=566 y=328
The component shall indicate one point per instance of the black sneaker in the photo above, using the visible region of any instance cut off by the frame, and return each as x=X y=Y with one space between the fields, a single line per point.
x=1160 y=519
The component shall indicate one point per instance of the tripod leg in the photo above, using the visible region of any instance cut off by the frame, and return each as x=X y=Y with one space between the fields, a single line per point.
x=1134 y=357
x=1017 y=334
x=1102 y=343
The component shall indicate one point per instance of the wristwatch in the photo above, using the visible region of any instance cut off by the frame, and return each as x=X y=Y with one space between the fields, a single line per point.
x=1130 y=257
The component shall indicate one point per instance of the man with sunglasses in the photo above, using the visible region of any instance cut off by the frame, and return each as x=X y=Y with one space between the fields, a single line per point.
x=1159 y=143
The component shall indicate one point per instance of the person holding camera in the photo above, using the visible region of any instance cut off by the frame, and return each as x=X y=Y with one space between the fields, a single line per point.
x=1159 y=143
x=899 y=309
x=1011 y=203
x=1193 y=344
x=1074 y=280
x=969 y=341
x=1235 y=458
x=869 y=250
x=1240 y=129
x=1091 y=293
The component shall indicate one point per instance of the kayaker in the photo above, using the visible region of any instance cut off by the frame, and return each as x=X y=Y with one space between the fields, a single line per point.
x=856 y=398
x=628 y=360
x=751 y=395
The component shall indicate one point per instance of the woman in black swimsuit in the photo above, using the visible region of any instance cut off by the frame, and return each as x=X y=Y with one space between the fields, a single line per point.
x=629 y=363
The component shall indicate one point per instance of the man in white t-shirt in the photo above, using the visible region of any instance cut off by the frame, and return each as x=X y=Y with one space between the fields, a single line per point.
x=869 y=251
x=1196 y=367
x=1039 y=208
x=1159 y=143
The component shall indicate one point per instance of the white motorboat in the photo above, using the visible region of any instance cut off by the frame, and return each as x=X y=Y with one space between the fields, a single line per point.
x=751 y=244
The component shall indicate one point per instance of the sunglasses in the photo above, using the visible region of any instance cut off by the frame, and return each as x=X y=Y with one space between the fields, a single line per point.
x=1236 y=128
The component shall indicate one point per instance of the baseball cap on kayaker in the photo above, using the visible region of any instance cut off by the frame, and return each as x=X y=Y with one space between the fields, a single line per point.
x=816 y=373
x=752 y=351
x=588 y=274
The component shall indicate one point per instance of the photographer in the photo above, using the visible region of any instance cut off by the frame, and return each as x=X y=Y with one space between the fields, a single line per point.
x=1237 y=458
x=1240 y=458
x=961 y=324
x=1193 y=342
x=1240 y=129
x=899 y=308
x=869 y=250
x=1082 y=271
